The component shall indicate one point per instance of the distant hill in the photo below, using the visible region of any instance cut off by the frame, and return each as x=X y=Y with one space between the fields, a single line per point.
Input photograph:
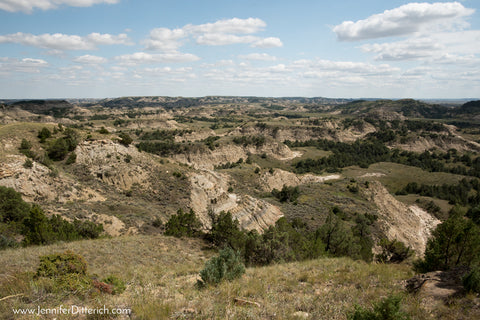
x=54 y=108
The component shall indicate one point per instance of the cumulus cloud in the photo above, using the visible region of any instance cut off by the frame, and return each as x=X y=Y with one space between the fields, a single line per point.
x=27 y=65
x=404 y=20
x=428 y=47
x=165 y=39
x=270 y=42
x=143 y=58
x=232 y=26
x=219 y=33
x=28 y=6
x=89 y=59
x=59 y=41
x=221 y=39
x=258 y=56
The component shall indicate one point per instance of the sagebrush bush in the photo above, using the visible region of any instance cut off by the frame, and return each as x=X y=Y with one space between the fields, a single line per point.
x=226 y=266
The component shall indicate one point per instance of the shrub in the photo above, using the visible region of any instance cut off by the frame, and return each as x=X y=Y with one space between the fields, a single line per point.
x=58 y=150
x=393 y=251
x=471 y=281
x=117 y=284
x=125 y=139
x=71 y=158
x=386 y=309
x=61 y=264
x=226 y=266
x=28 y=163
x=103 y=131
x=286 y=194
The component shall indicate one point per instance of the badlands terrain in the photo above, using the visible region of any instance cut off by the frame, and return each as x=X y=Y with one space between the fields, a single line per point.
x=385 y=172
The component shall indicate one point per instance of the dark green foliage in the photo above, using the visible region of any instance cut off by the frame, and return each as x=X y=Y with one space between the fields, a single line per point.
x=164 y=134
x=455 y=242
x=386 y=309
x=6 y=242
x=183 y=224
x=125 y=139
x=288 y=193
x=225 y=231
x=87 y=229
x=58 y=150
x=38 y=229
x=61 y=264
x=72 y=157
x=338 y=237
x=25 y=148
x=103 y=131
x=257 y=141
x=28 y=163
x=474 y=214
x=12 y=206
x=226 y=266
x=118 y=285
x=44 y=134
x=466 y=192
x=362 y=153
x=471 y=281
x=393 y=251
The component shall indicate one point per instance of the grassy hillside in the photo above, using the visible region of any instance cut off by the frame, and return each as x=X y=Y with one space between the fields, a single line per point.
x=161 y=272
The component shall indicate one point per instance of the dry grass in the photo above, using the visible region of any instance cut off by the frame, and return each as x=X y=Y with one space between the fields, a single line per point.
x=161 y=273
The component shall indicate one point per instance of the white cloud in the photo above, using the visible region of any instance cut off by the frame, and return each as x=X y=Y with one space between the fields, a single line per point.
x=258 y=56
x=221 y=39
x=59 y=41
x=404 y=20
x=89 y=59
x=165 y=39
x=219 y=33
x=430 y=47
x=233 y=26
x=28 y=6
x=143 y=57
x=270 y=42
x=26 y=65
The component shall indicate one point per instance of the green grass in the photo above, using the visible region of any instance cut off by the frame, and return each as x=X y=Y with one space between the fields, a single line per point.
x=395 y=176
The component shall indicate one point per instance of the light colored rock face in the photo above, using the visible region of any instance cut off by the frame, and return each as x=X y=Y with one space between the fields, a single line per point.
x=106 y=160
x=232 y=153
x=37 y=183
x=210 y=192
x=410 y=225
x=280 y=178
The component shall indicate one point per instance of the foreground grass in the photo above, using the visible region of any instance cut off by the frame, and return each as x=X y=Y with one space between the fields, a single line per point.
x=161 y=273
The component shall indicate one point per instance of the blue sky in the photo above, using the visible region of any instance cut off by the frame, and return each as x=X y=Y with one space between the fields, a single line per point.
x=351 y=49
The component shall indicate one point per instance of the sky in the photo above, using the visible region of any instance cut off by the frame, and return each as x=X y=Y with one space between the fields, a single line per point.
x=271 y=48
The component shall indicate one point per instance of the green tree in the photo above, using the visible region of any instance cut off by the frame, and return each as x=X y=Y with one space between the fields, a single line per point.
x=455 y=242
x=44 y=134
x=183 y=224
x=225 y=231
x=37 y=229
x=125 y=139
x=12 y=206
x=58 y=150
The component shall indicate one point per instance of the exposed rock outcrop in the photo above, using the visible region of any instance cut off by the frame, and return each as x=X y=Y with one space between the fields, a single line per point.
x=280 y=178
x=210 y=192
x=410 y=225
